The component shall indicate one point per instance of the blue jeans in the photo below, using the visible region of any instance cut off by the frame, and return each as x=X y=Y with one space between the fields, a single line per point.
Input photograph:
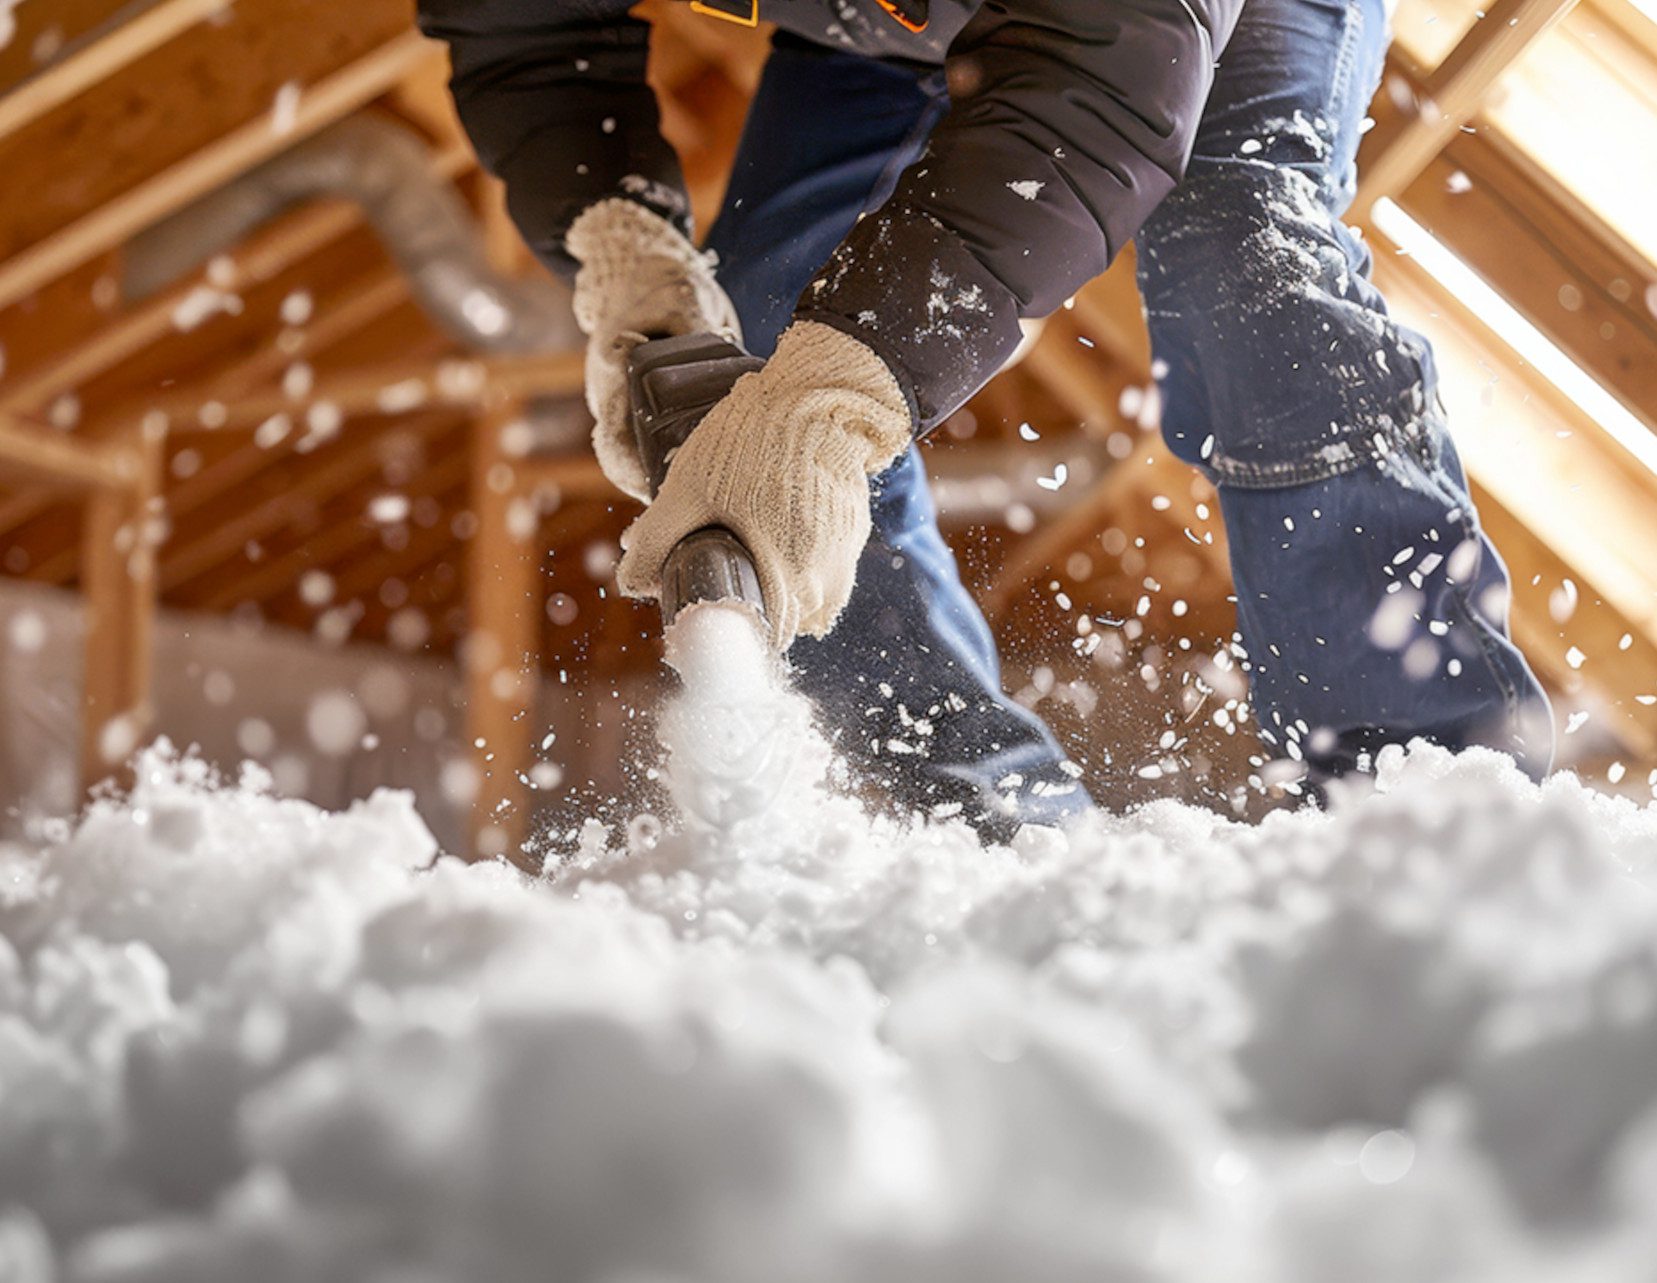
x=1283 y=378
x=1370 y=603
x=909 y=681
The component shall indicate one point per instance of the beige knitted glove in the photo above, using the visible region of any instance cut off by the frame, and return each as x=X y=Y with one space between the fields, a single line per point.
x=639 y=278
x=784 y=462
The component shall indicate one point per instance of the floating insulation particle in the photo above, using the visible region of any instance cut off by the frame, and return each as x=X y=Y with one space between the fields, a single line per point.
x=284 y=109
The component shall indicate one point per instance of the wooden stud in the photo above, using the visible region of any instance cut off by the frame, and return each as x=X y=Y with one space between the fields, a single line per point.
x=1535 y=243
x=119 y=577
x=501 y=654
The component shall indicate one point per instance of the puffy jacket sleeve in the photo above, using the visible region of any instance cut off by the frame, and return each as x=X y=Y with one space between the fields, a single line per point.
x=1072 y=119
x=553 y=96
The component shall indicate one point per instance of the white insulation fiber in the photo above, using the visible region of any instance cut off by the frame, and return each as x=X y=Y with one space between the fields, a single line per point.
x=245 y=1039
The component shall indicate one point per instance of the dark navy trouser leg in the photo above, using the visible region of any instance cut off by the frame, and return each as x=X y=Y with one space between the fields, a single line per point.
x=1372 y=605
x=910 y=677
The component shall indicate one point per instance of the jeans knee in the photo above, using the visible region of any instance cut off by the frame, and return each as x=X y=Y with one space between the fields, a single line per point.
x=1282 y=364
x=1245 y=236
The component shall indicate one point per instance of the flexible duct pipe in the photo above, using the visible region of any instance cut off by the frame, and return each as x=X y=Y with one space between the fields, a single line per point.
x=385 y=168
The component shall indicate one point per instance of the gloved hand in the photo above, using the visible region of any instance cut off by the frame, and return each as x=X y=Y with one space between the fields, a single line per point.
x=639 y=278
x=784 y=463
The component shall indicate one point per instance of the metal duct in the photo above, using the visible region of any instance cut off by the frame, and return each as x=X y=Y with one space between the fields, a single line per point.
x=385 y=168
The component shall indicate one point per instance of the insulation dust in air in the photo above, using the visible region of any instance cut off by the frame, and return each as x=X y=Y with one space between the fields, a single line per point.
x=827 y=640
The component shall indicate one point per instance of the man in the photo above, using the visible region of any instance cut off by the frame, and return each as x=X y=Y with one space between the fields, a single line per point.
x=1077 y=117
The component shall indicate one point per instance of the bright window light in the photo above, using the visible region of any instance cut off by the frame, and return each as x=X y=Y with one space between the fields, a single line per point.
x=1534 y=347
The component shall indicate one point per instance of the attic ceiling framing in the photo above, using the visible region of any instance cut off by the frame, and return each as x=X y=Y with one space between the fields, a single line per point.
x=183 y=96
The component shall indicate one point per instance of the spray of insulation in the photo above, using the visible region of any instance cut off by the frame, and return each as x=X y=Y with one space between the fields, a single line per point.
x=741 y=742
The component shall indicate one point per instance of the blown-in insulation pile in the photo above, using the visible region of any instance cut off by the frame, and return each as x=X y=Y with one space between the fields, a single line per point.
x=1414 y=1039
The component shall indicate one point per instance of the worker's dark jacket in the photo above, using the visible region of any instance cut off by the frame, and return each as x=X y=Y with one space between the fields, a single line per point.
x=1078 y=119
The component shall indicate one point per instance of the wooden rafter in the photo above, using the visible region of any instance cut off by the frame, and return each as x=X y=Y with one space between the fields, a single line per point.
x=217 y=543
x=1581 y=469
x=1452 y=93
x=360 y=307
x=284 y=245
x=1537 y=513
x=364 y=576
x=99 y=55
x=436 y=592
x=1538 y=245
x=1087 y=385
x=330 y=543
x=41 y=457
x=108 y=225
x=1108 y=314
x=1035 y=555
x=374 y=389
x=1595 y=629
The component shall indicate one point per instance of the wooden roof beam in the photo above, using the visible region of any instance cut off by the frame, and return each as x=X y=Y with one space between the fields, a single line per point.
x=285 y=244
x=1088 y=383
x=263 y=580
x=112 y=223
x=434 y=584
x=1109 y=314
x=1617 y=668
x=100 y=54
x=1452 y=94
x=1535 y=242
x=40 y=456
x=460 y=381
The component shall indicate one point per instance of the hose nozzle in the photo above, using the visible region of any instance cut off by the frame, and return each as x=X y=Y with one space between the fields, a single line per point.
x=709 y=566
x=674 y=382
